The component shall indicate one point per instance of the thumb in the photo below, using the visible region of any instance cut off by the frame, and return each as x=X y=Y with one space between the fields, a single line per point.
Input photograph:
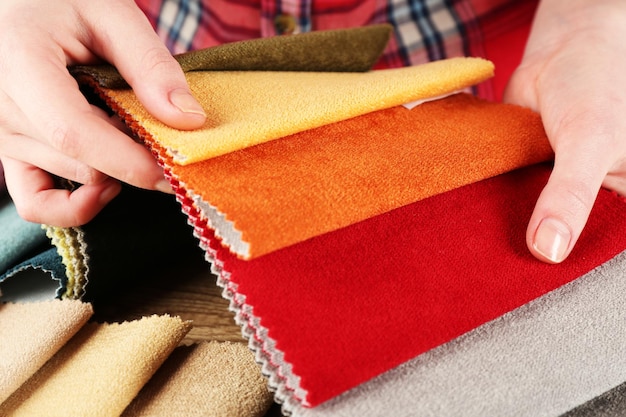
x=149 y=68
x=563 y=207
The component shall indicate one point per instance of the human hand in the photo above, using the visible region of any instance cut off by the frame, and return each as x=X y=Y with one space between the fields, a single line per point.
x=47 y=126
x=572 y=73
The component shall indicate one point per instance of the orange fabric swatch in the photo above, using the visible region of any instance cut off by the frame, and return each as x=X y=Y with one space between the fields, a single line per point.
x=270 y=196
x=246 y=108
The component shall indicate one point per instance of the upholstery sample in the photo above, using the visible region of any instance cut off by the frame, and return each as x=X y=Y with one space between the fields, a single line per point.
x=209 y=379
x=542 y=359
x=99 y=371
x=326 y=178
x=32 y=333
x=611 y=403
x=342 y=50
x=123 y=244
x=433 y=265
x=306 y=307
x=19 y=239
x=245 y=108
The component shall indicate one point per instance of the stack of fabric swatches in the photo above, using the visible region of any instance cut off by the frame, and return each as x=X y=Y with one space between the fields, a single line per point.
x=374 y=253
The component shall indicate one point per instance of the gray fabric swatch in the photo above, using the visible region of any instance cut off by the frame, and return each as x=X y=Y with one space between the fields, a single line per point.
x=542 y=359
x=610 y=404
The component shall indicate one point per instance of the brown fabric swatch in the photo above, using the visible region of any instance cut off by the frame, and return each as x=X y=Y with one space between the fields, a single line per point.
x=218 y=379
x=99 y=371
x=32 y=333
x=341 y=50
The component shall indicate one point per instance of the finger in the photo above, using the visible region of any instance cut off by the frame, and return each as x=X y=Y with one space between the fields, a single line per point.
x=563 y=207
x=33 y=152
x=37 y=200
x=61 y=117
x=155 y=76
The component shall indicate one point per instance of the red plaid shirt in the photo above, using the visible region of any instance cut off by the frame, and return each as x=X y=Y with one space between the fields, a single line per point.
x=425 y=30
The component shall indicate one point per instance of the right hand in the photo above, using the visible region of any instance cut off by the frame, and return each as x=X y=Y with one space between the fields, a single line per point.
x=47 y=126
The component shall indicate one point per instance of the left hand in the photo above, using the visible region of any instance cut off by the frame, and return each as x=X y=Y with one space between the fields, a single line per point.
x=572 y=73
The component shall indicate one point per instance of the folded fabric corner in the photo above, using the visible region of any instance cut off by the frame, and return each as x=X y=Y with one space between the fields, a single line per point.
x=100 y=370
x=246 y=108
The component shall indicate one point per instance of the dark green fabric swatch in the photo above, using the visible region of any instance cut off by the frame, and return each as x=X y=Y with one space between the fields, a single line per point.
x=610 y=404
x=341 y=50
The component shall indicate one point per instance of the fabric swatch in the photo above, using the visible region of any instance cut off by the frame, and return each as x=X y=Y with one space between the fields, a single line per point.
x=19 y=238
x=126 y=242
x=541 y=360
x=342 y=50
x=332 y=312
x=209 y=379
x=245 y=108
x=99 y=371
x=32 y=333
x=71 y=247
x=39 y=278
x=609 y=404
x=323 y=179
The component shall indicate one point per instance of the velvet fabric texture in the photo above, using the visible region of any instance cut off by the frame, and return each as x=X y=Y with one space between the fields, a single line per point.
x=305 y=307
x=246 y=108
x=341 y=50
x=30 y=334
x=330 y=312
x=42 y=277
x=550 y=357
x=612 y=403
x=99 y=371
x=218 y=379
x=24 y=247
x=331 y=177
x=19 y=239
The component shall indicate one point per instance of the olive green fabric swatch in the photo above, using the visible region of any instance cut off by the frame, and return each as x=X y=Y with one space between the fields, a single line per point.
x=341 y=50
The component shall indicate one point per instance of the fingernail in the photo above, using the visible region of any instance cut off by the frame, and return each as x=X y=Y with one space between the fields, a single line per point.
x=552 y=239
x=164 y=186
x=185 y=102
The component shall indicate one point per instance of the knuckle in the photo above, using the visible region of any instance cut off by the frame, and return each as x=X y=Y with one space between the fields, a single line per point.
x=85 y=174
x=157 y=61
x=581 y=198
x=28 y=211
x=63 y=138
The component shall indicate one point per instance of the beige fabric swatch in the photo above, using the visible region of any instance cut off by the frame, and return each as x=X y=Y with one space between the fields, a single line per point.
x=209 y=379
x=245 y=108
x=99 y=371
x=32 y=333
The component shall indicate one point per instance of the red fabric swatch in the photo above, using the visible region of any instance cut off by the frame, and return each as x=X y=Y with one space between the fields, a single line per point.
x=336 y=310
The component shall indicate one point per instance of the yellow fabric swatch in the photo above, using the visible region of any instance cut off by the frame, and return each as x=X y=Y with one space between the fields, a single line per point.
x=218 y=379
x=250 y=107
x=32 y=333
x=71 y=247
x=99 y=371
x=274 y=195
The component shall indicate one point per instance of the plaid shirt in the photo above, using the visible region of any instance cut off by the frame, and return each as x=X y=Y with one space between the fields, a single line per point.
x=425 y=30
